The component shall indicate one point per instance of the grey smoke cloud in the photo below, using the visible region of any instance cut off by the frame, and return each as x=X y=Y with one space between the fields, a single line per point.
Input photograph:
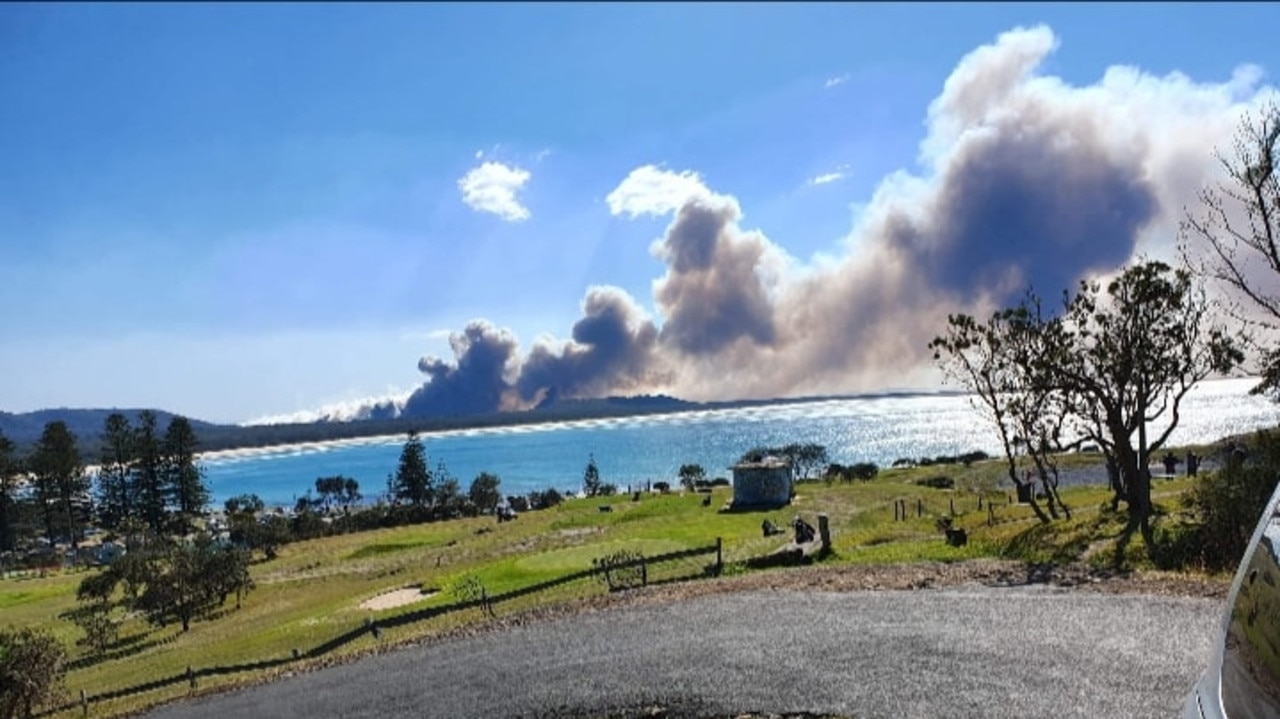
x=712 y=295
x=613 y=350
x=1026 y=180
x=477 y=381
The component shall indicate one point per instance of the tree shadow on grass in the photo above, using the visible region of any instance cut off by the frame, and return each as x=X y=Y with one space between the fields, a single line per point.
x=121 y=648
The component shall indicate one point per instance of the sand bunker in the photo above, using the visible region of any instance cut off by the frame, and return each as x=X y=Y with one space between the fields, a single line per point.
x=396 y=598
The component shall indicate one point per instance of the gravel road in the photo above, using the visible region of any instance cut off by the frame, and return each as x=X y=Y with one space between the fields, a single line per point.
x=1034 y=650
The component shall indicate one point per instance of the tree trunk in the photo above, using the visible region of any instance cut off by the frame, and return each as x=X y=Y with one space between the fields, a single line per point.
x=1035 y=507
x=1051 y=491
x=1140 y=507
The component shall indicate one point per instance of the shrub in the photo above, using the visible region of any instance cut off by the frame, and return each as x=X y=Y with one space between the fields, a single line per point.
x=662 y=487
x=545 y=499
x=31 y=671
x=938 y=482
x=624 y=569
x=864 y=471
x=1227 y=504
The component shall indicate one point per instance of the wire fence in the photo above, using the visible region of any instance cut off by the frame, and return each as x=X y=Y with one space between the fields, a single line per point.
x=618 y=572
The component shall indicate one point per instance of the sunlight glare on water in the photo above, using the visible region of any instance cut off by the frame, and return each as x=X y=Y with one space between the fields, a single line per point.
x=635 y=450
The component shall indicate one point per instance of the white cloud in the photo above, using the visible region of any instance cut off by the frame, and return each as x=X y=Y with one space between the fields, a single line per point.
x=826 y=178
x=650 y=190
x=838 y=80
x=492 y=188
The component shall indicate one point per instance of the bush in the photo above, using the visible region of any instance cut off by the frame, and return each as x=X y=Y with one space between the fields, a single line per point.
x=865 y=471
x=1227 y=504
x=662 y=487
x=623 y=569
x=31 y=671
x=938 y=482
x=545 y=499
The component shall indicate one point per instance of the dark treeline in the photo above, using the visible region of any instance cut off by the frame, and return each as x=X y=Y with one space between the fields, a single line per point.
x=24 y=429
x=149 y=481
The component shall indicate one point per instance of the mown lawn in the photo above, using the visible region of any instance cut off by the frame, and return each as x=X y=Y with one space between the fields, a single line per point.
x=312 y=592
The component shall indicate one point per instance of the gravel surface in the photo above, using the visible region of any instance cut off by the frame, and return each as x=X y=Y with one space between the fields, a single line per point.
x=984 y=638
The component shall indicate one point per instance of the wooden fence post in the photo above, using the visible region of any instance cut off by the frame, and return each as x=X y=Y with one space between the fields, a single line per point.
x=919 y=507
x=719 y=555
x=84 y=703
x=824 y=531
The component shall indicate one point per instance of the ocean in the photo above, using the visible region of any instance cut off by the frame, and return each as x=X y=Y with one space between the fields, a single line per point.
x=631 y=451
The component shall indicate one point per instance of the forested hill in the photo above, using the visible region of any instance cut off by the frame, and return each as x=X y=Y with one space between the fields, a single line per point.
x=24 y=429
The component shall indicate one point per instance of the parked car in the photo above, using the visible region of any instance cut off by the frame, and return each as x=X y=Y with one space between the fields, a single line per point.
x=1242 y=680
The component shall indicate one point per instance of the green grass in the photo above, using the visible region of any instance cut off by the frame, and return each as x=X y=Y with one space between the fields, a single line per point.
x=312 y=592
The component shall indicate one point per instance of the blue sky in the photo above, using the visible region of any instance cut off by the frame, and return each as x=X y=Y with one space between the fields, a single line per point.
x=241 y=210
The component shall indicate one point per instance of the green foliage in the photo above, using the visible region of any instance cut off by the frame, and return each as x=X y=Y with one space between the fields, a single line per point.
x=266 y=534
x=623 y=569
x=937 y=482
x=174 y=581
x=148 y=477
x=337 y=491
x=249 y=504
x=147 y=473
x=31 y=671
x=484 y=492
x=413 y=481
x=864 y=471
x=469 y=588
x=116 y=494
x=1227 y=504
x=591 y=484
x=9 y=471
x=60 y=482
x=1115 y=359
x=101 y=629
x=804 y=458
x=690 y=475
x=544 y=499
x=183 y=476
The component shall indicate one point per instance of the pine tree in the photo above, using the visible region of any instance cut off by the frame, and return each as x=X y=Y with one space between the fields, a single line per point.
x=147 y=473
x=60 y=481
x=412 y=482
x=591 y=478
x=9 y=471
x=183 y=476
x=116 y=500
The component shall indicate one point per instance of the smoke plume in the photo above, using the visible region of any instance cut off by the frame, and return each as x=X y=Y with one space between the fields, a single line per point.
x=1025 y=181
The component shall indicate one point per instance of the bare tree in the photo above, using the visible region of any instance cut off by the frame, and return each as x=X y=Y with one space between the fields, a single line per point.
x=1238 y=228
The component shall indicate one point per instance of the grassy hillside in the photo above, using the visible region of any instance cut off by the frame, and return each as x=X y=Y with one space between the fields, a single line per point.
x=313 y=591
